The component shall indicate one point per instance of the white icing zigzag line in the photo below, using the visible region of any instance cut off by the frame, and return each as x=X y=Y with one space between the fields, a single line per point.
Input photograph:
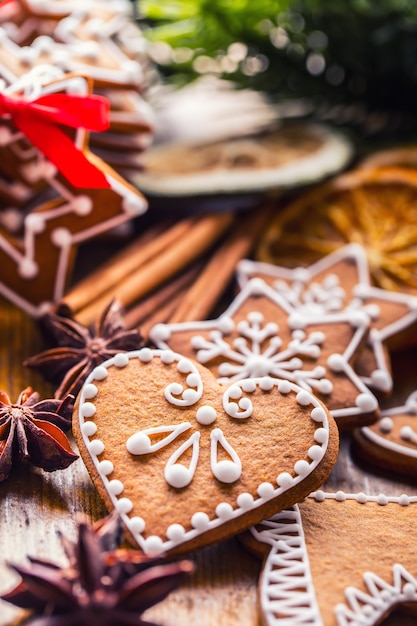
x=200 y=522
x=286 y=590
x=366 y=609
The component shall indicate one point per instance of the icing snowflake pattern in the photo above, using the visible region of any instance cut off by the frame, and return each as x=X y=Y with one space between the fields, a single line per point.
x=245 y=357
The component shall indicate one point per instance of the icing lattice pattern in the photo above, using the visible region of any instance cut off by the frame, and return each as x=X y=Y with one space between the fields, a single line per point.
x=287 y=589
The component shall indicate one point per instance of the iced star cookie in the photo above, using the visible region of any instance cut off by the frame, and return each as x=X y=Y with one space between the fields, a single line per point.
x=340 y=281
x=187 y=462
x=262 y=334
x=337 y=560
x=391 y=443
x=77 y=195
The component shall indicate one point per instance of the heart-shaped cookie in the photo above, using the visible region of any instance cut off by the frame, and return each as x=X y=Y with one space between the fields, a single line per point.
x=186 y=461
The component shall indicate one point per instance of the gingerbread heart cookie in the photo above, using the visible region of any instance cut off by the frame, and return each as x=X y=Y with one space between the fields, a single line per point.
x=187 y=462
x=337 y=559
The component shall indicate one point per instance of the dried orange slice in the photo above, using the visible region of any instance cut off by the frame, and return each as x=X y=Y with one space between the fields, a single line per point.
x=376 y=208
x=275 y=159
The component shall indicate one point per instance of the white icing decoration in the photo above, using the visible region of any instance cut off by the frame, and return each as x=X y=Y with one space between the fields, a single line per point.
x=206 y=415
x=226 y=471
x=386 y=423
x=88 y=409
x=153 y=545
x=176 y=474
x=266 y=490
x=89 y=429
x=190 y=395
x=124 y=505
x=224 y=510
x=200 y=521
x=287 y=594
x=121 y=360
x=115 y=487
x=96 y=447
x=82 y=205
x=302 y=468
x=145 y=355
x=245 y=501
x=90 y=391
x=239 y=410
x=140 y=442
x=137 y=524
x=99 y=373
x=176 y=532
x=105 y=468
x=285 y=480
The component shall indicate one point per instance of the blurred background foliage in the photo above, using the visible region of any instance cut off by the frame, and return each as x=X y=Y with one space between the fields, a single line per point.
x=337 y=51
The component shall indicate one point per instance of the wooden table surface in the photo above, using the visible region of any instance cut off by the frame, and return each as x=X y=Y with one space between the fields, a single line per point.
x=35 y=504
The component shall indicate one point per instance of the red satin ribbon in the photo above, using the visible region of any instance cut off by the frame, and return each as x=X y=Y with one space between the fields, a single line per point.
x=40 y=120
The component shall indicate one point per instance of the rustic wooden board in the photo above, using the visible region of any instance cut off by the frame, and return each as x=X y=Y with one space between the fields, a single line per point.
x=35 y=504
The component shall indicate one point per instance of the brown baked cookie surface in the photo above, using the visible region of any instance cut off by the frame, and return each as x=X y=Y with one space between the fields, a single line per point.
x=187 y=462
x=337 y=559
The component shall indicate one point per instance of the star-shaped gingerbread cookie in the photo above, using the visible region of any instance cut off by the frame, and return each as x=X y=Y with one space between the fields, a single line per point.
x=85 y=199
x=339 y=282
x=261 y=334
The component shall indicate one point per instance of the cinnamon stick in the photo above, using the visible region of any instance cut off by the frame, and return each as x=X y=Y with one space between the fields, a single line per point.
x=193 y=242
x=153 y=307
x=109 y=275
x=201 y=298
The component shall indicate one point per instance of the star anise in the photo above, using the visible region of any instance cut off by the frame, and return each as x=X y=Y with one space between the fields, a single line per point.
x=77 y=350
x=32 y=430
x=99 y=587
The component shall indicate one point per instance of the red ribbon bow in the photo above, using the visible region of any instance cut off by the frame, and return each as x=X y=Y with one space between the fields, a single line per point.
x=40 y=120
